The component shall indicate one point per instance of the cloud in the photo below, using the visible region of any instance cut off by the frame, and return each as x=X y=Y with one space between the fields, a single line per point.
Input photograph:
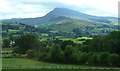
x=38 y=8
x=104 y=6
x=18 y=9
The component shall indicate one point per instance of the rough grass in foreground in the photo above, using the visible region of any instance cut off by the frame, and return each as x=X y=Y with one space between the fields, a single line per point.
x=56 y=70
x=29 y=63
x=21 y=62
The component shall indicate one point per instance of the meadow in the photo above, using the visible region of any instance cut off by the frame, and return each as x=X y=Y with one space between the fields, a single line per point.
x=22 y=64
x=56 y=70
x=75 y=40
x=27 y=63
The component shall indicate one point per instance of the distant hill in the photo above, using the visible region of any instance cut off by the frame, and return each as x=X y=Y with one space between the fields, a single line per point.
x=59 y=14
x=63 y=19
x=71 y=13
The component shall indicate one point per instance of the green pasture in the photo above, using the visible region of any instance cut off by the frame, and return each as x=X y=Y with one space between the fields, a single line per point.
x=6 y=55
x=84 y=38
x=22 y=62
x=76 y=40
x=54 y=31
x=57 y=70
x=64 y=38
x=43 y=34
x=29 y=63
x=11 y=31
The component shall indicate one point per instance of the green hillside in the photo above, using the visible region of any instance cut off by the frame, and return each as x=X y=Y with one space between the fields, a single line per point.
x=66 y=20
x=62 y=14
x=85 y=26
x=15 y=29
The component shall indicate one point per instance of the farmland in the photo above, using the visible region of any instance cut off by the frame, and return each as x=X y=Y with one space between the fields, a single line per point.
x=64 y=52
x=56 y=70
x=76 y=40
x=33 y=65
x=24 y=64
x=29 y=63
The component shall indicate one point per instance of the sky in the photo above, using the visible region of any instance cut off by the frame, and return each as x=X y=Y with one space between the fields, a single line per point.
x=38 y=8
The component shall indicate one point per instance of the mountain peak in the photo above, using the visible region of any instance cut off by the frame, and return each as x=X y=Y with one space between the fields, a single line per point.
x=72 y=13
x=62 y=14
x=61 y=9
x=66 y=12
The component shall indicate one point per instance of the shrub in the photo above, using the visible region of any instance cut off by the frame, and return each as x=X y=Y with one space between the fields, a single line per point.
x=69 y=53
x=56 y=53
x=83 y=58
x=103 y=58
x=93 y=60
x=30 y=53
x=114 y=60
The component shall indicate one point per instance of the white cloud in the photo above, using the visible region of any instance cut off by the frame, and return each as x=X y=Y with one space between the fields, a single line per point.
x=107 y=6
x=29 y=8
x=17 y=8
x=4 y=6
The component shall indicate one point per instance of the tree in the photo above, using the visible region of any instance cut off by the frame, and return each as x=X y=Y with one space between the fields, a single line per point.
x=6 y=43
x=84 y=48
x=114 y=60
x=83 y=58
x=56 y=53
x=93 y=60
x=26 y=42
x=87 y=42
x=11 y=37
x=103 y=58
x=69 y=53
x=65 y=43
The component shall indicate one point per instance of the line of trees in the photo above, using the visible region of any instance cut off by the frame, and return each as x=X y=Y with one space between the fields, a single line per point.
x=103 y=50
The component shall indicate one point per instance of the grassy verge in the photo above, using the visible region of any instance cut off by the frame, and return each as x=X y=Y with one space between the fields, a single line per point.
x=56 y=70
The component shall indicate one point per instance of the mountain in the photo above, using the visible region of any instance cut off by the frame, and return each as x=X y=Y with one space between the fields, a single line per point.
x=59 y=14
x=68 y=12
x=63 y=19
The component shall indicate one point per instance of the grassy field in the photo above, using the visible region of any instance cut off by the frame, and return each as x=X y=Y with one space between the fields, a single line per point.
x=28 y=63
x=76 y=40
x=55 y=70
x=84 y=38
x=21 y=64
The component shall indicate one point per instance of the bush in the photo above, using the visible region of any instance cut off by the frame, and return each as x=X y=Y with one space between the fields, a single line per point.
x=48 y=57
x=93 y=60
x=15 y=55
x=83 y=58
x=84 y=48
x=103 y=58
x=114 y=60
x=30 y=53
x=69 y=53
x=56 y=53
